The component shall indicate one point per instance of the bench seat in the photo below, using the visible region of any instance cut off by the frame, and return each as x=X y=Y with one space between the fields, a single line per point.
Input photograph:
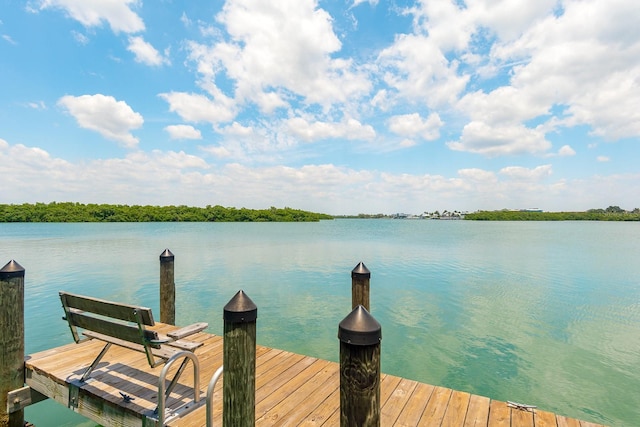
x=125 y=325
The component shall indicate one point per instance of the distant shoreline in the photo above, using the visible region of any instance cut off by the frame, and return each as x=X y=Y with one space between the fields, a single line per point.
x=523 y=215
x=552 y=216
x=78 y=212
x=70 y=212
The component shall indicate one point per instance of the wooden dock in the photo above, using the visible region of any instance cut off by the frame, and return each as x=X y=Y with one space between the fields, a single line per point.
x=291 y=390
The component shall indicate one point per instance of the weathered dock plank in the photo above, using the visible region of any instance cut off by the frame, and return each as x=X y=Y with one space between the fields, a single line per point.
x=499 y=414
x=457 y=409
x=434 y=412
x=291 y=390
x=412 y=411
x=396 y=402
x=477 y=412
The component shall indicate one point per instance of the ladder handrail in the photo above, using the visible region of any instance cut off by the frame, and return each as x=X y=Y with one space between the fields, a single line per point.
x=212 y=385
x=163 y=374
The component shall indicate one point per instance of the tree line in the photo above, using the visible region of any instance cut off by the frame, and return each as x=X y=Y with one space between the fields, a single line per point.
x=612 y=213
x=78 y=212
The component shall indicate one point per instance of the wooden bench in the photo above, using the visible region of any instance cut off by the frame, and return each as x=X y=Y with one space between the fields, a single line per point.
x=124 y=325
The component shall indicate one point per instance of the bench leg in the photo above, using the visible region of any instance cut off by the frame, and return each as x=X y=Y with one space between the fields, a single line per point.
x=95 y=363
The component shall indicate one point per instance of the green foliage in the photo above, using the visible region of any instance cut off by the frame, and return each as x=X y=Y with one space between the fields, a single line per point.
x=612 y=213
x=77 y=212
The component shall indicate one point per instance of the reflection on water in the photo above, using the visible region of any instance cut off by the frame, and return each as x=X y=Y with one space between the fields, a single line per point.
x=541 y=313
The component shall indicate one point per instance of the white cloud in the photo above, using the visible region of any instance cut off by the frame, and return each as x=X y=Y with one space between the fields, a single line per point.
x=8 y=39
x=522 y=173
x=183 y=132
x=199 y=108
x=145 y=53
x=80 y=38
x=358 y=2
x=566 y=150
x=118 y=13
x=453 y=25
x=37 y=105
x=603 y=159
x=312 y=131
x=149 y=178
x=261 y=54
x=250 y=144
x=478 y=137
x=217 y=151
x=539 y=52
x=476 y=174
x=185 y=20
x=598 y=89
x=406 y=143
x=412 y=125
x=416 y=68
x=236 y=129
x=504 y=105
x=103 y=114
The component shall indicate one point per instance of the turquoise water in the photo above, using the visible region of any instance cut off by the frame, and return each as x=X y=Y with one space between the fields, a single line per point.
x=543 y=313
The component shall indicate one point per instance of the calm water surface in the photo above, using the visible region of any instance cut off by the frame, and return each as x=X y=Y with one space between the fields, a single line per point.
x=543 y=313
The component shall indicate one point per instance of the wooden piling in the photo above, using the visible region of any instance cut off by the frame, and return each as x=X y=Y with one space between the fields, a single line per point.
x=360 y=283
x=239 y=361
x=360 y=336
x=11 y=341
x=167 y=288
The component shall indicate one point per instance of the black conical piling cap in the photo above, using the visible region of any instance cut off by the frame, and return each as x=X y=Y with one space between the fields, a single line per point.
x=360 y=328
x=10 y=270
x=240 y=309
x=360 y=270
x=166 y=256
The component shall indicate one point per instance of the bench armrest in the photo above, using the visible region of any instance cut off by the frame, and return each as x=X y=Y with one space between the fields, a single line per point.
x=188 y=330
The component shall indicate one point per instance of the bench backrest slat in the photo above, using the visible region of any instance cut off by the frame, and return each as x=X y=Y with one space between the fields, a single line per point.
x=110 y=328
x=107 y=308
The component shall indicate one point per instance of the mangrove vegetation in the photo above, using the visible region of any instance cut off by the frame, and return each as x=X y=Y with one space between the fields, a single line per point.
x=612 y=213
x=78 y=212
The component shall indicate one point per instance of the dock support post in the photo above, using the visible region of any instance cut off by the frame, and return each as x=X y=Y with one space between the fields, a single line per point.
x=11 y=340
x=239 y=361
x=167 y=288
x=360 y=336
x=360 y=284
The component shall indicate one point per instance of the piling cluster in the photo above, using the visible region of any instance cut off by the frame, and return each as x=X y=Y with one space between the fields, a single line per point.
x=359 y=335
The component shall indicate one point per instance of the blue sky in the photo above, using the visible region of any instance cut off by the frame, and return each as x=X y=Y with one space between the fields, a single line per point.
x=330 y=106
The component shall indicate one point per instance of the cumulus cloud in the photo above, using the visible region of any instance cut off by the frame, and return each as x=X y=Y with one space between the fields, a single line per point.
x=566 y=151
x=311 y=131
x=183 y=132
x=479 y=137
x=420 y=72
x=522 y=173
x=597 y=89
x=260 y=54
x=251 y=144
x=476 y=174
x=145 y=53
x=112 y=119
x=412 y=125
x=537 y=52
x=148 y=177
x=117 y=13
x=358 y=2
x=198 y=108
